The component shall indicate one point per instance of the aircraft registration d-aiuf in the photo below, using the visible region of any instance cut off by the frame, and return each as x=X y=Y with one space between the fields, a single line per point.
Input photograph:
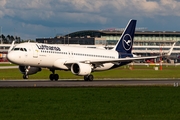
x=31 y=57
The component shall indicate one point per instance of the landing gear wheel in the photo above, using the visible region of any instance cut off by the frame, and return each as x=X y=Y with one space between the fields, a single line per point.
x=51 y=77
x=25 y=76
x=88 y=78
x=54 y=77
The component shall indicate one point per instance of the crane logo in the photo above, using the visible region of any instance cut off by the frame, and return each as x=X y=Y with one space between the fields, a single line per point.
x=127 y=42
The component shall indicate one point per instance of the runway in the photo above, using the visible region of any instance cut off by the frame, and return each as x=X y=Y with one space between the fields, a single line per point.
x=81 y=83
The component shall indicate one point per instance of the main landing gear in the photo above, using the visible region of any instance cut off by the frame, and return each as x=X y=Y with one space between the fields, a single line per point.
x=88 y=78
x=53 y=76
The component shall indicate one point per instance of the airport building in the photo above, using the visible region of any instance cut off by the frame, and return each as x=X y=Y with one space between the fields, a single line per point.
x=110 y=37
x=3 y=52
x=145 y=42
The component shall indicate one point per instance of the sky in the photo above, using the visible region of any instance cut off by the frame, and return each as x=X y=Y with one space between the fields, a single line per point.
x=31 y=19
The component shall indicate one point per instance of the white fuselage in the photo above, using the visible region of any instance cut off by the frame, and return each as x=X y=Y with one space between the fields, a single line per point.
x=47 y=55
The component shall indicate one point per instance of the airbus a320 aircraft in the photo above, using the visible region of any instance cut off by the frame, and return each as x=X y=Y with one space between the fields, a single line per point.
x=31 y=57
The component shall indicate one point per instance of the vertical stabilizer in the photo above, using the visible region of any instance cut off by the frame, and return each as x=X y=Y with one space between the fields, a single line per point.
x=125 y=43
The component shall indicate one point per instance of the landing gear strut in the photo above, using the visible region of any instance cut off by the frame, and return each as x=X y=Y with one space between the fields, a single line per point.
x=53 y=76
x=25 y=76
x=88 y=78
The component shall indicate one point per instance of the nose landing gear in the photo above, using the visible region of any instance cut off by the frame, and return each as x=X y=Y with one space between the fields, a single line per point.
x=25 y=76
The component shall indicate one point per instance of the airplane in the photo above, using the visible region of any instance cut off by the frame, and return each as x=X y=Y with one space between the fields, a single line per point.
x=31 y=57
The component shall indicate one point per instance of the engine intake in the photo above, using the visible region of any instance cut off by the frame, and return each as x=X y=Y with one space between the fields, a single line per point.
x=81 y=69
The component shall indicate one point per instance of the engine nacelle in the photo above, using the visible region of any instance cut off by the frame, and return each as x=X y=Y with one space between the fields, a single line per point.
x=29 y=70
x=81 y=69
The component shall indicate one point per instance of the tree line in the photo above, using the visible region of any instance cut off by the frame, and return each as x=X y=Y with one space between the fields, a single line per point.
x=9 y=38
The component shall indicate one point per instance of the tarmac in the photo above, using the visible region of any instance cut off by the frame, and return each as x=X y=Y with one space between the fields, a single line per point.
x=95 y=83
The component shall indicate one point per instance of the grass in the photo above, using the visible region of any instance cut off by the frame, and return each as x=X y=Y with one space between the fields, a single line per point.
x=111 y=103
x=121 y=72
x=99 y=103
x=7 y=64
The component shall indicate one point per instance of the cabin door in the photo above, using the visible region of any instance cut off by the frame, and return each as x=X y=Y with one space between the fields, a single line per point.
x=35 y=51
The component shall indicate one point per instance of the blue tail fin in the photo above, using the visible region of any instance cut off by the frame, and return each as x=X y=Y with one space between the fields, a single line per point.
x=125 y=43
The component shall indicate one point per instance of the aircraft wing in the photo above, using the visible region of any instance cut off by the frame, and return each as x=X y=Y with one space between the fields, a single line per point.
x=171 y=49
x=111 y=61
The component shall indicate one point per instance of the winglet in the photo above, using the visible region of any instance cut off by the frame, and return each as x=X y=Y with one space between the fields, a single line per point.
x=125 y=43
x=171 y=49
x=12 y=45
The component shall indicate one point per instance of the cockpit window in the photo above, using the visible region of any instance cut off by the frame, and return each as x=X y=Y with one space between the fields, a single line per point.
x=16 y=49
x=20 y=49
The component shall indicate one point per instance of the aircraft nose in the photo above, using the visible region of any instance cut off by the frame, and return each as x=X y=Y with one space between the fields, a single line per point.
x=10 y=57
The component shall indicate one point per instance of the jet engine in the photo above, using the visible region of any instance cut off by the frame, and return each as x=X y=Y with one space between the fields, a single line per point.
x=28 y=70
x=81 y=69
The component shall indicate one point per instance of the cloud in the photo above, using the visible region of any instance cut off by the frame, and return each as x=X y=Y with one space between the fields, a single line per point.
x=2 y=3
x=37 y=15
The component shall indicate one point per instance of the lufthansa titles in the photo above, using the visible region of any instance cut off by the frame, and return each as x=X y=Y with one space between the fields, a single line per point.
x=47 y=47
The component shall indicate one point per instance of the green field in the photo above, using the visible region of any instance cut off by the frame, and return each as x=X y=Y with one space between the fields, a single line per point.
x=93 y=103
x=110 y=103
x=121 y=72
x=7 y=64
